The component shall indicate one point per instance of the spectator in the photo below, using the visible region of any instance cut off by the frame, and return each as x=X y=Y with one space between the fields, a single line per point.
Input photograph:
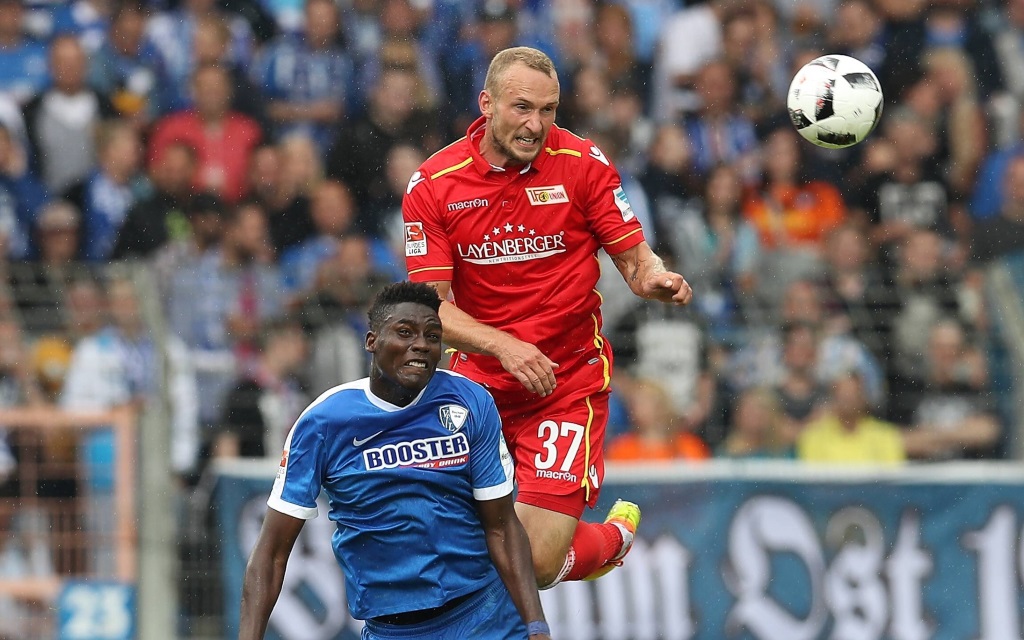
x=923 y=292
x=159 y=218
x=108 y=194
x=308 y=78
x=463 y=71
x=752 y=48
x=333 y=211
x=858 y=30
x=758 y=361
x=223 y=139
x=758 y=429
x=856 y=291
x=173 y=35
x=265 y=403
x=118 y=366
x=21 y=196
x=657 y=433
x=689 y=40
x=904 y=189
x=23 y=65
x=718 y=132
x=617 y=55
x=361 y=148
x=792 y=213
x=200 y=236
x=955 y=111
x=61 y=121
x=334 y=315
x=951 y=416
x=987 y=196
x=708 y=238
x=275 y=182
x=127 y=69
x=212 y=42
x=847 y=433
x=667 y=177
x=799 y=392
x=218 y=301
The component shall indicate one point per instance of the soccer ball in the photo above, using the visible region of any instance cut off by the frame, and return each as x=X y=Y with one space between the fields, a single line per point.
x=834 y=101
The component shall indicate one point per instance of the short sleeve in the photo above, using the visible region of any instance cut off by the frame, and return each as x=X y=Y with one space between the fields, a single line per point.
x=491 y=468
x=428 y=254
x=606 y=207
x=297 y=485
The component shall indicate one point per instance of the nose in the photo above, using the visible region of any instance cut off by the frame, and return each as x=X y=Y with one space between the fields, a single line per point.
x=533 y=123
x=420 y=343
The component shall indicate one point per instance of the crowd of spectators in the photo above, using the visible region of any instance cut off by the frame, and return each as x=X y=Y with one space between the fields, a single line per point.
x=255 y=153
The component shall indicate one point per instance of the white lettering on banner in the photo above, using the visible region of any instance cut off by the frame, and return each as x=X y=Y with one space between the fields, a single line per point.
x=906 y=569
x=998 y=598
x=513 y=249
x=853 y=583
x=765 y=525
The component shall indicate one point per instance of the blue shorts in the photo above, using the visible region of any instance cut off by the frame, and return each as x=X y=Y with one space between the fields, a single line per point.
x=488 y=615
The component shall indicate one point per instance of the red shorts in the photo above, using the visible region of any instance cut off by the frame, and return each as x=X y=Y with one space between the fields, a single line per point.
x=557 y=442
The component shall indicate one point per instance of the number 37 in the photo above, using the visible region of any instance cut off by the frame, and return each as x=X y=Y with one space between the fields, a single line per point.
x=549 y=431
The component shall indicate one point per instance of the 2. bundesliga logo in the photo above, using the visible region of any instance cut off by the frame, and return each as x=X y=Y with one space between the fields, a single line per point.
x=427 y=453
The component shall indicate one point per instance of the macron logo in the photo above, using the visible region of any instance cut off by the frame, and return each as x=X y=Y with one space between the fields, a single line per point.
x=413 y=181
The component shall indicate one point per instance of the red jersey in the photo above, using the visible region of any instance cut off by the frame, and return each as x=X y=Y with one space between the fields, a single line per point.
x=519 y=246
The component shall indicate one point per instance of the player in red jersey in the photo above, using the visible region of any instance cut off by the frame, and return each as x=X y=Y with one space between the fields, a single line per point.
x=506 y=224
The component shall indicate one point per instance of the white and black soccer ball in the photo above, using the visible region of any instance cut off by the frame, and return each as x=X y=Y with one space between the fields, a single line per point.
x=834 y=101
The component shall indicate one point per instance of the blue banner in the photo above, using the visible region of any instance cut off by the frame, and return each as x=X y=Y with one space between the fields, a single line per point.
x=767 y=551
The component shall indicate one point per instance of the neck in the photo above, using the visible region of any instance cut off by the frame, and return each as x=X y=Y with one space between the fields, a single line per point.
x=388 y=390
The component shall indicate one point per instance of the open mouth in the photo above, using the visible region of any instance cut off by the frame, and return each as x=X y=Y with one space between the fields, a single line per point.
x=526 y=141
x=417 y=364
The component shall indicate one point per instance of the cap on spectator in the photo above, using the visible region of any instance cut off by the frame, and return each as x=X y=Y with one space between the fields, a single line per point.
x=58 y=215
x=205 y=203
x=496 y=11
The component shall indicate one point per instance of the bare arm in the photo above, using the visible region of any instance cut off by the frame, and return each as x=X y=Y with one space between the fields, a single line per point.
x=647 y=277
x=265 y=572
x=510 y=551
x=523 y=360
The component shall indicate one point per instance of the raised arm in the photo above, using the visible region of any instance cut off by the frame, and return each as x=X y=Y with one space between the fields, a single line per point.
x=523 y=360
x=510 y=551
x=264 y=573
x=647 y=277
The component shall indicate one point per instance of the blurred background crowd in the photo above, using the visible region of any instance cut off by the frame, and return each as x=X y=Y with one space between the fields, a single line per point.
x=862 y=304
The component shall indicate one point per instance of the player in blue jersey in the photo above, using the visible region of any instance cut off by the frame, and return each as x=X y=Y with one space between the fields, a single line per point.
x=419 y=483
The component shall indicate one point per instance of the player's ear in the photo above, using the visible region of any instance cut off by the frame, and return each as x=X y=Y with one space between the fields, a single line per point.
x=371 y=342
x=486 y=104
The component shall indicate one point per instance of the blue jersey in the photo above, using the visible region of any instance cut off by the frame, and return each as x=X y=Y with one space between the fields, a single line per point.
x=402 y=483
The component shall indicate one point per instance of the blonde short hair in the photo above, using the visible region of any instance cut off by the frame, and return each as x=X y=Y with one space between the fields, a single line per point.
x=504 y=60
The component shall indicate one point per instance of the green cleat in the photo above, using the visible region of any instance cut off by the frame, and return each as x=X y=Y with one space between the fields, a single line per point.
x=626 y=516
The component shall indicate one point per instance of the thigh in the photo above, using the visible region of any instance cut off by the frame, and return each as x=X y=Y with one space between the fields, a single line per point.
x=558 y=446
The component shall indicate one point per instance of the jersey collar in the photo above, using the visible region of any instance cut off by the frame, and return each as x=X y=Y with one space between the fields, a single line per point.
x=473 y=135
x=381 y=403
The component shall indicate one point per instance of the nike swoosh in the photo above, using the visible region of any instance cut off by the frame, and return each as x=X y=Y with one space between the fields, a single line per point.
x=358 y=442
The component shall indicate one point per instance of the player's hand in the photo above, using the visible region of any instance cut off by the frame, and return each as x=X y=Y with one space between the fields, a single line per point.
x=667 y=287
x=530 y=367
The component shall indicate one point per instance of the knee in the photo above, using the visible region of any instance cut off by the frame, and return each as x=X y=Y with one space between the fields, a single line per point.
x=547 y=568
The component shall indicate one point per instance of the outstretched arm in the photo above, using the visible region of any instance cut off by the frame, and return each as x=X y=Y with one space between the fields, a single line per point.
x=264 y=574
x=523 y=360
x=647 y=277
x=510 y=551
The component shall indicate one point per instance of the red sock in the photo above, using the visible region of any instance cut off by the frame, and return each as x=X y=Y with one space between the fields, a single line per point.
x=593 y=545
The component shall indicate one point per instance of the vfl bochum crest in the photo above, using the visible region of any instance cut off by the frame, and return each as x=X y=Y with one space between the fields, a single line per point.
x=453 y=416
